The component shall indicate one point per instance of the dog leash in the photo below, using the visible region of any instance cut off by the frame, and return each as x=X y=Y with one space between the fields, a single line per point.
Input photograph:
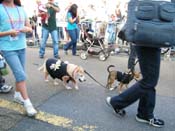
x=94 y=79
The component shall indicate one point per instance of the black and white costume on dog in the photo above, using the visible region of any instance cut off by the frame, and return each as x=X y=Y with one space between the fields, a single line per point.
x=64 y=71
x=56 y=68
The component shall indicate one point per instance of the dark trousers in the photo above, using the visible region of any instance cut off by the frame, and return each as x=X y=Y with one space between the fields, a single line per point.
x=143 y=90
x=132 y=57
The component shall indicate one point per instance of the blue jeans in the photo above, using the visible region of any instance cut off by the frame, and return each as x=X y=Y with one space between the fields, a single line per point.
x=45 y=35
x=16 y=61
x=74 y=36
x=143 y=90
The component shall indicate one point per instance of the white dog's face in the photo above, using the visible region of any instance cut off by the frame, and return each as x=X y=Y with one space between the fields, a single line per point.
x=80 y=74
x=81 y=78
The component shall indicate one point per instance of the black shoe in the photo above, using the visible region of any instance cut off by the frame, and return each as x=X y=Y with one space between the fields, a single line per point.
x=119 y=112
x=154 y=121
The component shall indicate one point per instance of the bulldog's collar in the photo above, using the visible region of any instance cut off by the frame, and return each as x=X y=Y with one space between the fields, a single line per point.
x=73 y=73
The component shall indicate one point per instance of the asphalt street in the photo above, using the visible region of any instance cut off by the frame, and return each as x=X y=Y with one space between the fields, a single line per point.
x=85 y=109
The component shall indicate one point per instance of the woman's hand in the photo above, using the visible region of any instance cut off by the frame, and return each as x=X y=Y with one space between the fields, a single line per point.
x=26 y=29
x=14 y=33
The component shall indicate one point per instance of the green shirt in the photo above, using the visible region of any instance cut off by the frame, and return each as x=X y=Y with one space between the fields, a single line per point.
x=51 y=20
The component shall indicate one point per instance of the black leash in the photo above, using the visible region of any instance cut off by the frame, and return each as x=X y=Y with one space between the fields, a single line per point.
x=94 y=79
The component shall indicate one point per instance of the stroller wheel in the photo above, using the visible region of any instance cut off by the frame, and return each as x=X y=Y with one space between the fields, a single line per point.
x=102 y=56
x=83 y=55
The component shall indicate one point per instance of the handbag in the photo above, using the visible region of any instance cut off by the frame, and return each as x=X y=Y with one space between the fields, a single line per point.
x=150 y=23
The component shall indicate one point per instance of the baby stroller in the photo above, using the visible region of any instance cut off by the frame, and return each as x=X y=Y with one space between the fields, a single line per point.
x=92 y=45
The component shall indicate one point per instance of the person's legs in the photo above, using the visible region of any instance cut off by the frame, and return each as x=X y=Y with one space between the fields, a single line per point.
x=20 y=83
x=54 y=35
x=74 y=46
x=150 y=67
x=72 y=34
x=69 y=44
x=16 y=61
x=45 y=35
x=126 y=98
x=149 y=60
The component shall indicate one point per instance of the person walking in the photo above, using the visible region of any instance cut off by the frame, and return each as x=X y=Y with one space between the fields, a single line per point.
x=14 y=26
x=72 y=29
x=49 y=26
x=143 y=90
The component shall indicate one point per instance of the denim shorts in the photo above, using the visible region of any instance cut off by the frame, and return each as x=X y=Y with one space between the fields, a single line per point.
x=16 y=60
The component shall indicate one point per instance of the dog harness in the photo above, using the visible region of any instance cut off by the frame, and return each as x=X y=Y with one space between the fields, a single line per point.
x=124 y=77
x=56 y=68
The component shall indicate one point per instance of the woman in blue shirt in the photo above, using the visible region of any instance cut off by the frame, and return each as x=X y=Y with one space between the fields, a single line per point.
x=72 y=28
x=14 y=25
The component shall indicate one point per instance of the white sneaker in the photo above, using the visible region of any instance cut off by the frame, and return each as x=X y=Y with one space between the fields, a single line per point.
x=5 y=89
x=30 y=110
x=18 y=98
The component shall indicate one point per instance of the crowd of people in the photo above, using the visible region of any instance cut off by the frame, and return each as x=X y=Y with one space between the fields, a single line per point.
x=67 y=32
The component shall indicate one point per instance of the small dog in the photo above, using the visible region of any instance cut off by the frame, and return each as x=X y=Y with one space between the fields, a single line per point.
x=64 y=71
x=123 y=78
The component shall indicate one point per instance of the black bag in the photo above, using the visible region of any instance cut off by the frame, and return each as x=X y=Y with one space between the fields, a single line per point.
x=150 y=23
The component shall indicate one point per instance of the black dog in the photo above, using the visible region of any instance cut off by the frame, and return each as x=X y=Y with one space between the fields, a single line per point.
x=123 y=77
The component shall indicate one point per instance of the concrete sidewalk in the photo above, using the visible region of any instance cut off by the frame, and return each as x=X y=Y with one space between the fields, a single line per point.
x=83 y=110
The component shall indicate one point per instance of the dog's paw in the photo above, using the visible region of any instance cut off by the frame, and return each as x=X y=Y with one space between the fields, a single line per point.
x=68 y=87
x=111 y=89
x=46 y=80
x=55 y=83
x=76 y=87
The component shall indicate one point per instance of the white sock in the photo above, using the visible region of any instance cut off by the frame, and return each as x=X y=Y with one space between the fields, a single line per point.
x=17 y=94
x=27 y=102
